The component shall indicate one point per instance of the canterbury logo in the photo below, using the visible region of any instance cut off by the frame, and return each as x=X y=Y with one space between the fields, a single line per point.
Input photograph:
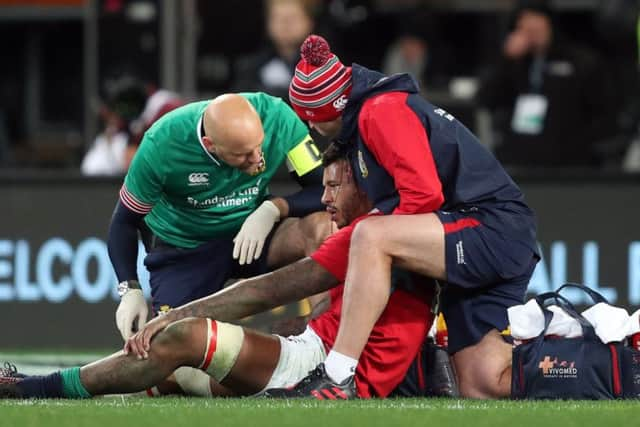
x=340 y=103
x=199 y=178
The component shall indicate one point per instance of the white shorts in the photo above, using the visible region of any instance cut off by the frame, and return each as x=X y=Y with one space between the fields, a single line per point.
x=299 y=354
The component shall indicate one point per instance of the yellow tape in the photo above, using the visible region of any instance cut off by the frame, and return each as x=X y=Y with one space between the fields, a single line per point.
x=441 y=325
x=304 y=157
x=304 y=307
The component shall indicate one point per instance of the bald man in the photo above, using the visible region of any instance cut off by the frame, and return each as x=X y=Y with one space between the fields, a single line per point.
x=197 y=191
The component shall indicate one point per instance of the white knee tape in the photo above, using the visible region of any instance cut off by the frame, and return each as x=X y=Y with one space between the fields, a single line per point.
x=224 y=342
x=193 y=381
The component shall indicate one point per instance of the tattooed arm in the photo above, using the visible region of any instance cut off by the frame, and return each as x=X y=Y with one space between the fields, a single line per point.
x=244 y=298
x=257 y=294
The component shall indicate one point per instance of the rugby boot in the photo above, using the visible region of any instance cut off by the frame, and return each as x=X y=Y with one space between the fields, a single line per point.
x=316 y=385
x=9 y=378
x=440 y=380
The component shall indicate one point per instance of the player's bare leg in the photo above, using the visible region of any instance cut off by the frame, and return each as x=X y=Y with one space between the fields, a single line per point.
x=238 y=359
x=412 y=242
x=180 y=344
x=296 y=238
x=484 y=369
x=184 y=343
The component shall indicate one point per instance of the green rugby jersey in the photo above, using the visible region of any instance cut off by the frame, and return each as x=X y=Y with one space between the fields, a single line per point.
x=189 y=196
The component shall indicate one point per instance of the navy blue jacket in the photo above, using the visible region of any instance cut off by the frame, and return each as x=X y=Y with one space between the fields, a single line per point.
x=464 y=174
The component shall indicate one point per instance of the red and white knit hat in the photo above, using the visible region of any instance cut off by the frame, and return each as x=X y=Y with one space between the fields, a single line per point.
x=321 y=84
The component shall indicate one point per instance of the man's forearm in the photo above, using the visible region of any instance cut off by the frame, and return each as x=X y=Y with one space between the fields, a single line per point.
x=305 y=201
x=122 y=242
x=282 y=206
x=257 y=294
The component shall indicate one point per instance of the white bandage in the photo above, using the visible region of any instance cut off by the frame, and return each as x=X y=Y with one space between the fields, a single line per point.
x=193 y=382
x=224 y=342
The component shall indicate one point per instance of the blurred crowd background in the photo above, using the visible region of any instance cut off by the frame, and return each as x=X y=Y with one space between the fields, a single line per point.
x=545 y=84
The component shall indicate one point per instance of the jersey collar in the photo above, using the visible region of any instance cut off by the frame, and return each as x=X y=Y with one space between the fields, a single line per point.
x=199 y=132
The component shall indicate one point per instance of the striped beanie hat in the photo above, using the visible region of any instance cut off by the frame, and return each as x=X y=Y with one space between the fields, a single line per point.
x=321 y=84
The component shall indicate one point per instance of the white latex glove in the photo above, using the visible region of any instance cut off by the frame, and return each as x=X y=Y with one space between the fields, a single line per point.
x=250 y=239
x=132 y=305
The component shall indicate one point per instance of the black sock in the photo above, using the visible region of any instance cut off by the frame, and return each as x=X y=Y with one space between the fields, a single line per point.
x=49 y=386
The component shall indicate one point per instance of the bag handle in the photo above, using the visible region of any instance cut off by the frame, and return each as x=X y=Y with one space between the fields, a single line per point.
x=588 y=330
x=559 y=299
x=595 y=296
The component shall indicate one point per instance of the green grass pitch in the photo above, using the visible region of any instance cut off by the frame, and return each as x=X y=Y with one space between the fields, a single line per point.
x=190 y=412
x=125 y=411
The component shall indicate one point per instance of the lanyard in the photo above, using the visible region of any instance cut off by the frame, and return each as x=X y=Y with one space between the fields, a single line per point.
x=536 y=73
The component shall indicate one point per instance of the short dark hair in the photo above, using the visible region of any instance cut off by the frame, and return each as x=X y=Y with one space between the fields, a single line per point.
x=334 y=152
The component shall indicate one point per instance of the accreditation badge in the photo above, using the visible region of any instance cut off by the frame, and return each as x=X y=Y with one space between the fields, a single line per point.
x=529 y=114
